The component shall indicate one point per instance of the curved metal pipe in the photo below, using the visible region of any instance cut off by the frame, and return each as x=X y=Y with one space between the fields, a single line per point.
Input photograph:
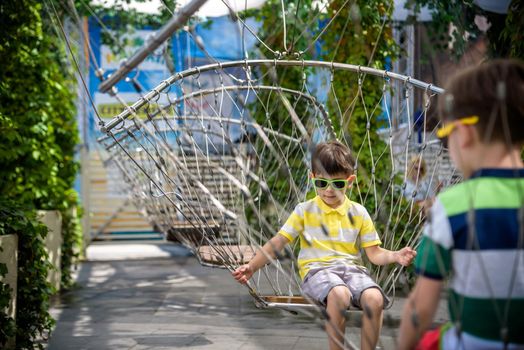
x=254 y=63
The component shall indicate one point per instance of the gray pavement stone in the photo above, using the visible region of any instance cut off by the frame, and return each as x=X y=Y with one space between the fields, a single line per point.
x=134 y=298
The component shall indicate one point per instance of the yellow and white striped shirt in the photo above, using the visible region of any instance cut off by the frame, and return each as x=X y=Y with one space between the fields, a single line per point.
x=329 y=236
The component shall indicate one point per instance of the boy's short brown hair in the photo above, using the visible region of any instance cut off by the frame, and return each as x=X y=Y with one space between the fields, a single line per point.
x=493 y=91
x=332 y=158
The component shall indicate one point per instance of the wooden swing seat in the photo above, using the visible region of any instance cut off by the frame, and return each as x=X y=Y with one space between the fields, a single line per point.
x=295 y=302
x=291 y=303
x=286 y=299
x=233 y=254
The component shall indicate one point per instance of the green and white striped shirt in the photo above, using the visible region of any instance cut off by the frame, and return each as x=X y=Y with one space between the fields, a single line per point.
x=475 y=236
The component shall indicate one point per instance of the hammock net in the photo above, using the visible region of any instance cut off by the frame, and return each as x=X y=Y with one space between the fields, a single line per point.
x=222 y=180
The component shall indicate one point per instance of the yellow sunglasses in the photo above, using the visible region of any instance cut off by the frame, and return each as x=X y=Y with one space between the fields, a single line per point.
x=446 y=130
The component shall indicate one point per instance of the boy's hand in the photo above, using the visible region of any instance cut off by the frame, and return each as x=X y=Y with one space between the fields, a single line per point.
x=405 y=256
x=243 y=273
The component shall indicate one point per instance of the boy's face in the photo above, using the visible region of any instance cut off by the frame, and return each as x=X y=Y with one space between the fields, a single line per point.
x=333 y=194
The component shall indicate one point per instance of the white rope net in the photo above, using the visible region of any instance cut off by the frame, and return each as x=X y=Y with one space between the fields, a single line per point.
x=222 y=180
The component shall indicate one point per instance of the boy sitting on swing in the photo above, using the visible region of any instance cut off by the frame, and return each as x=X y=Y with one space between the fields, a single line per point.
x=329 y=227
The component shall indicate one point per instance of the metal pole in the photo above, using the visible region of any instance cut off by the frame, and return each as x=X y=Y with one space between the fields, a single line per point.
x=162 y=35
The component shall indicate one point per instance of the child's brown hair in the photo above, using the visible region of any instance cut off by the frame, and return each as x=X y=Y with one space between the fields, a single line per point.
x=332 y=157
x=417 y=164
x=493 y=91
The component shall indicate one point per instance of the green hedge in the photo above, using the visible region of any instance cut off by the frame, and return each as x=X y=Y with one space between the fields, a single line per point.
x=71 y=245
x=38 y=135
x=33 y=291
x=7 y=324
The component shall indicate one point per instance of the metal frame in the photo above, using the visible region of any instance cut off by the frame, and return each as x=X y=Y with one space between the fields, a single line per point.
x=130 y=110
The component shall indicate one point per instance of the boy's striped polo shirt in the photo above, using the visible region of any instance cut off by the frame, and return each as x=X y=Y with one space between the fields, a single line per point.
x=329 y=236
x=475 y=235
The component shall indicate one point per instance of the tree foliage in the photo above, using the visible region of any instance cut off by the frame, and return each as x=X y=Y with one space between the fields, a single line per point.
x=453 y=26
x=513 y=32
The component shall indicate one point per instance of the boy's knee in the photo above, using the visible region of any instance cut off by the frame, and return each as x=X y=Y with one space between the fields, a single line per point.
x=372 y=298
x=340 y=295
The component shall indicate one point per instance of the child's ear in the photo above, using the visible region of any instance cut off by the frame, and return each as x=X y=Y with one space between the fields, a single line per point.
x=467 y=135
x=351 y=179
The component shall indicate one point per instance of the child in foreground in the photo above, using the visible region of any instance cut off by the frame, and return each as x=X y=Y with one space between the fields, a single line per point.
x=329 y=227
x=474 y=234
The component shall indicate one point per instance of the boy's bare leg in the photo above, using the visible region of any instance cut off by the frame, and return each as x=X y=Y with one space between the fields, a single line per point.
x=338 y=301
x=372 y=303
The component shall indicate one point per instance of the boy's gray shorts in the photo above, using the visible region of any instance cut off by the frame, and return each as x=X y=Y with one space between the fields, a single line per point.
x=319 y=281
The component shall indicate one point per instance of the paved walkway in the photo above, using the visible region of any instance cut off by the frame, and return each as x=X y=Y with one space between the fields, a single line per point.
x=154 y=295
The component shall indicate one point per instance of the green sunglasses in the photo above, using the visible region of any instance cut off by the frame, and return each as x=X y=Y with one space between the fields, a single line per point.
x=322 y=184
